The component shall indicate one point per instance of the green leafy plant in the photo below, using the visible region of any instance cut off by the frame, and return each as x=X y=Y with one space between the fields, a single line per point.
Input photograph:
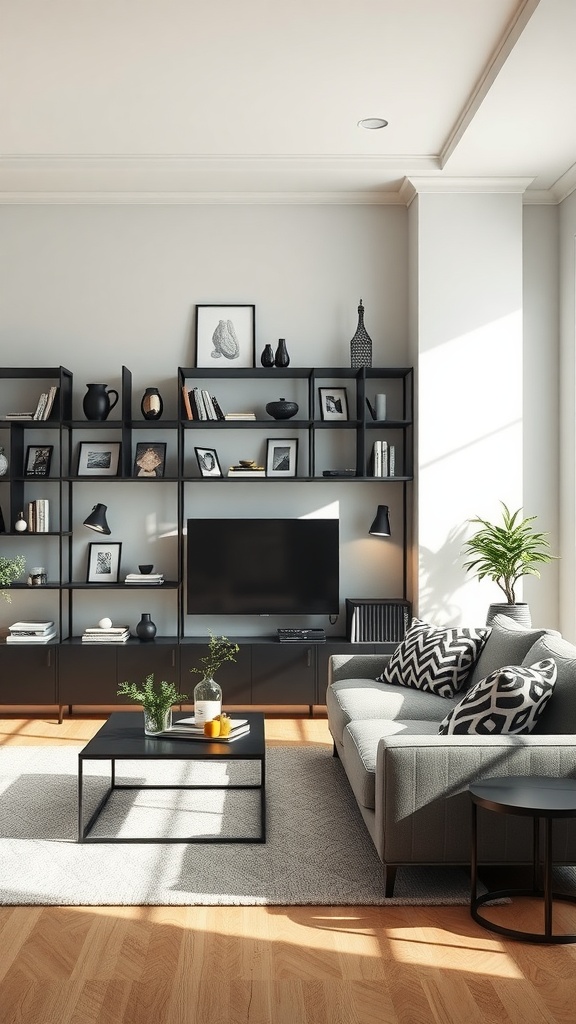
x=507 y=551
x=156 y=700
x=220 y=649
x=10 y=570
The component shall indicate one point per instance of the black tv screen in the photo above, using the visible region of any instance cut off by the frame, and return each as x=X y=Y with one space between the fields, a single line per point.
x=263 y=567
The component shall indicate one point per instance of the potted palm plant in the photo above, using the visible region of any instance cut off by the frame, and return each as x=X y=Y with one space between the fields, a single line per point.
x=10 y=570
x=157 y=701
x=504 y=552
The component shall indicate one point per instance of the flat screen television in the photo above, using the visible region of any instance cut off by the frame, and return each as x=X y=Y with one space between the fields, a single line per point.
x=263 y=567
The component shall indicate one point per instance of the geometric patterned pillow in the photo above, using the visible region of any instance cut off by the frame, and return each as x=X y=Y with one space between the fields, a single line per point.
x=434 y=659
x=509 y=700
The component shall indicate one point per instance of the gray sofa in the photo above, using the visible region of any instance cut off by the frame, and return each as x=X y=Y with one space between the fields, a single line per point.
x=410 y=783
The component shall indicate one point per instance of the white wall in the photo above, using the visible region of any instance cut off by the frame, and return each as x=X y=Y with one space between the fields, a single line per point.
x=95 y=287
x=567 y=232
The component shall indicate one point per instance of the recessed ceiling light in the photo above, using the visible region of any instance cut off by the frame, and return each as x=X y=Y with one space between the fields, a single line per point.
x=372 y=122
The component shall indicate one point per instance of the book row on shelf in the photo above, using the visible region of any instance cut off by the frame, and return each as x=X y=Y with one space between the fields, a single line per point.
x=383 y=460
x=43 y=409
x=201 y=405
x=35 y=517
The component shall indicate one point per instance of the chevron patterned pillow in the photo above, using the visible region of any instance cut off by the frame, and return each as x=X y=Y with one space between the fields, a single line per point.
x=435 y=659
x=509 y=700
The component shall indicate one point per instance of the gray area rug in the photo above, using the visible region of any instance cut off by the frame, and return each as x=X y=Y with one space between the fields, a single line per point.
x=317 y=852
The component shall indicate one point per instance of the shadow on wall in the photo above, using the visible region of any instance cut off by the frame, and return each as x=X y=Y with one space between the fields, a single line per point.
x=441 y=577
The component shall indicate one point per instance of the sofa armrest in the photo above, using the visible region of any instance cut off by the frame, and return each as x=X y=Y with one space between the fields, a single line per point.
x=422 y=803
x=356 y=666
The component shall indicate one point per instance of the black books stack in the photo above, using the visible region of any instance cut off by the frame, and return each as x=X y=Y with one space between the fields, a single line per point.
x=145 y=579
x=112 y=635
x=31 y=632
x=201 y=405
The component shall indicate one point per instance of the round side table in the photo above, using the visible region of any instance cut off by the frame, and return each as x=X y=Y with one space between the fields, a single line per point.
x=539 y=797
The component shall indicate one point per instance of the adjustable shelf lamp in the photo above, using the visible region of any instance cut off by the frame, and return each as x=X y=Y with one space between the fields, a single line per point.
x=97 y=520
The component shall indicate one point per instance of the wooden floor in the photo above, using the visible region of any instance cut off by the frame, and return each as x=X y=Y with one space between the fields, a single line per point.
x=271 y=965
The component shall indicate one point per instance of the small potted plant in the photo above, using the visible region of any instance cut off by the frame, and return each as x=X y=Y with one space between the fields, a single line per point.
x=504 y=552
x=157 y=701
x=10 y=570
x=208 y=693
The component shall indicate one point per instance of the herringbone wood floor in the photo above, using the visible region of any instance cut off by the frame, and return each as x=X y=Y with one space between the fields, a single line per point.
x=271 y=965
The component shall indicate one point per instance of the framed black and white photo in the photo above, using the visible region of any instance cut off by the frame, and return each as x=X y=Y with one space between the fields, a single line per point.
x=104 y=562
x=208 y=463
x=333 y=403
x=149 y=459
x=38 y=459
x=225 y=336
x=281 y=456
x=99 y=458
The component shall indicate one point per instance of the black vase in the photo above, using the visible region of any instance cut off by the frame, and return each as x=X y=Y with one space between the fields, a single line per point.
x=282 y=358
x=151 y=404
x=267 y=357
x=146 y=629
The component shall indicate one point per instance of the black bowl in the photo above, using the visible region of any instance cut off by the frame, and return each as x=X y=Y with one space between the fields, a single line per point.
x=282 y=410
x=145 y=569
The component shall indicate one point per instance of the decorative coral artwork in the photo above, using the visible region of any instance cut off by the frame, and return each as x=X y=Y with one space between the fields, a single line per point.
x=225 y=336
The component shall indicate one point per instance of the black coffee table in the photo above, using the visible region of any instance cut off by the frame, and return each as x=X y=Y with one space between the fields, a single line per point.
x=122 y=738
x=539 y=797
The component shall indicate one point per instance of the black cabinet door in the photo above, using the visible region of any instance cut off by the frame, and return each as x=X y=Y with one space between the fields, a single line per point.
x=88 y=675
x=283 y=674
x=136 y=661
x=233 y=676
x=28 y=674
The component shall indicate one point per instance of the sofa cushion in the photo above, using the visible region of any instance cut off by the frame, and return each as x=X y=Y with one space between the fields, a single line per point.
x=560 y=714
x=361 y=747
x=350 y=700
x=508 y=644
x=435 y=659
x=509 y=700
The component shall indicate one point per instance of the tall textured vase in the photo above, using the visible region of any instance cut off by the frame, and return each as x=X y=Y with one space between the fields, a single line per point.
x=151 y=405
x=282 y=358
x=361 y=344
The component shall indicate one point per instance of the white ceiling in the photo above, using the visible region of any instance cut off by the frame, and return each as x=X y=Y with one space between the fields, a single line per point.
x=178 y=100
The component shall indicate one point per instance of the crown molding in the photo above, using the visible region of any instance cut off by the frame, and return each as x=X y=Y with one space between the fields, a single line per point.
x=201 y=199
x=421 y=185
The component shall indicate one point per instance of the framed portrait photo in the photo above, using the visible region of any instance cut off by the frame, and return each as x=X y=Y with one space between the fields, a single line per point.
x=99 y=458
x=333 y=403
x=38 y=459
x=281 y=456
x=208 y=463
x=225 y=336
x=149 y=459
x=104 y=562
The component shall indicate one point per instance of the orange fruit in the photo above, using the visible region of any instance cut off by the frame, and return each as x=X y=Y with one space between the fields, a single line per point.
x=212 y=728
x=225 y=725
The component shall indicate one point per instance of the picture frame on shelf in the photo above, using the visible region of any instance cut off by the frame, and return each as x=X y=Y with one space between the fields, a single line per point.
x=333 y=403
x=99 y=458
x=38 y=459
x=208 y=463
x=225 y=336
x=104 y=562
x=281 y=456
x=149 y=459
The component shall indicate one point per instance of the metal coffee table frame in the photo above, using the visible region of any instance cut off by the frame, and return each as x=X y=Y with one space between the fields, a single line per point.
x=122 y=738
x=541 y=798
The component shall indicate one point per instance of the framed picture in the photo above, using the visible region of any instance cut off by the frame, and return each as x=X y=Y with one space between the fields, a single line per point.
x=333 y=403
x=104 y=562
x=225 y=336
x=99 y=458
x=150 y=459
x=208 y=462
x=281 y=456
x=38 y=459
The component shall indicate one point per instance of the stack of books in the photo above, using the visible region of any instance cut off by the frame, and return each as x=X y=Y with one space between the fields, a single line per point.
x=31 y=632
x=112 y=635
x=383 y=461
x=43 y=409
x=240 y=416
x=246 y=471
x=201 y=405
x=38 y=515
x=186 y=729
x=148 y=579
